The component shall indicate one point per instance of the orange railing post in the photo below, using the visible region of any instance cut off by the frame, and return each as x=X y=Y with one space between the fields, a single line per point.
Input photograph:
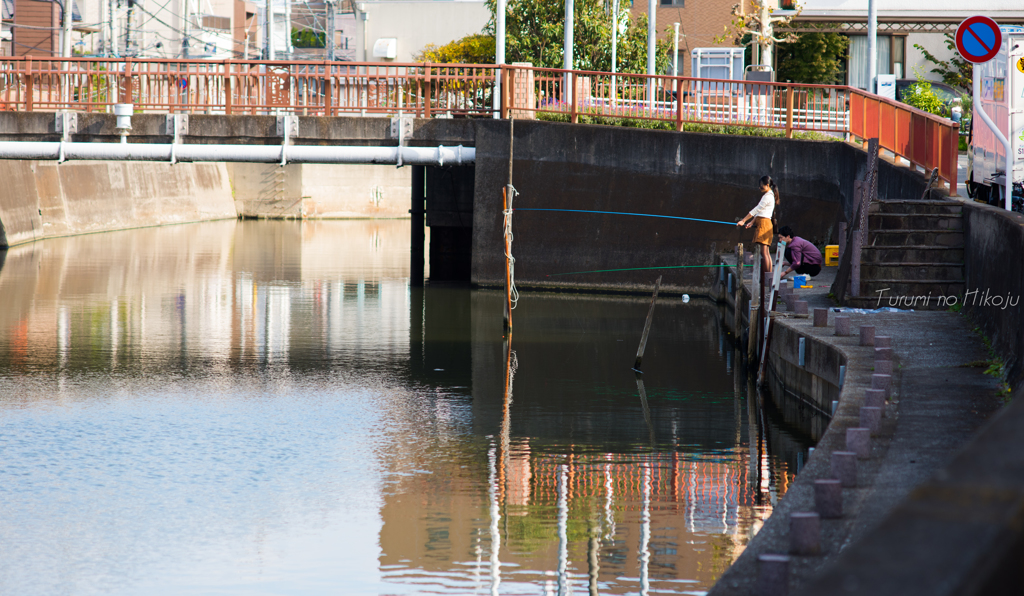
x=679 y=104
x=29 y=85
x=789 y=111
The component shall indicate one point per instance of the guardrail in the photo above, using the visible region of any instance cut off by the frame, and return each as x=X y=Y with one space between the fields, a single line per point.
x=468 y=90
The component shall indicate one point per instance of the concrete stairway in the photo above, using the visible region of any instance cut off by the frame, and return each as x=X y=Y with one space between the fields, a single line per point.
x=915 y=253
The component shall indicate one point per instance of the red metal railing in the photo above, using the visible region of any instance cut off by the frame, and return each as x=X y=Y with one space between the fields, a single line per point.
x=446 y=90
x=921 y=138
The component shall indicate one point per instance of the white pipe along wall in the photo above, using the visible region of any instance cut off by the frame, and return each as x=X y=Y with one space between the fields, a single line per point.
x=414 y=156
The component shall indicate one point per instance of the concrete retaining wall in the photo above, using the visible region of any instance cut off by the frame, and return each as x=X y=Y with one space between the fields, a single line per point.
x=643 y=171
x=994 y=271
x=44 y=200
x=320 y=191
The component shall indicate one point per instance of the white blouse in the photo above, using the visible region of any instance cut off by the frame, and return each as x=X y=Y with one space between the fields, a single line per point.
x=765 y=207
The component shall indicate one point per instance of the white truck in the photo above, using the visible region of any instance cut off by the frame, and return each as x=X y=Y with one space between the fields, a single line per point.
x=1001 y=97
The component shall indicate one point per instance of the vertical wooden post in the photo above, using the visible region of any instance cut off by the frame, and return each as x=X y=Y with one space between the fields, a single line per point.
x=789 y=112
x=754 y=317
x=737 y=289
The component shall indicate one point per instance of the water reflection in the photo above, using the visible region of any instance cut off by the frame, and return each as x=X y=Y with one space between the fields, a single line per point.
x=250 y=407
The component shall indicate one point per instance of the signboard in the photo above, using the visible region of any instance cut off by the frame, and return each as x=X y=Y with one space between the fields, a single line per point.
x=887 y=85
x=978 y=39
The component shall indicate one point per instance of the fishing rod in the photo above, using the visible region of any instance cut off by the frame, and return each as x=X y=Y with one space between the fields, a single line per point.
x=636 y=269
x=727 y=223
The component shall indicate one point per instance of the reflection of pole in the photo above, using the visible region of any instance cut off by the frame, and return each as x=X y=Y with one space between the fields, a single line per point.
x=645 y=534
x=609 y=495
x=492 y=493
x=647 y=411
x=563 y=530
x=593 y=562
x=506 y=416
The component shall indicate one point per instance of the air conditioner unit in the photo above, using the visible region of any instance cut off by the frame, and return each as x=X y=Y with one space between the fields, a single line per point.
x=386 y=47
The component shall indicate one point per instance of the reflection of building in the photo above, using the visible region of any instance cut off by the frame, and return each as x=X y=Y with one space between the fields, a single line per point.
x=220 y=294
x=661 y=516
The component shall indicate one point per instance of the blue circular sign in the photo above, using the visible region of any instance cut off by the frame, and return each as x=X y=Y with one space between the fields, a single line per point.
x=978 y=39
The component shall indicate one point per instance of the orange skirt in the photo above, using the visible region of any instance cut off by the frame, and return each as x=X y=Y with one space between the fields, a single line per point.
x=763 y=231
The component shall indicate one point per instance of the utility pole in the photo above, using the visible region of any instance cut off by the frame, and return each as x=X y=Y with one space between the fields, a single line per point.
x=288 y=27
x=499 y=53
x=675 y=51
x=872 y=44
x=615 y=38
x=652 y=19
x=112 y=48
x=268 y=21
x=567 y=45
x=186 y=28
x=65 y=50
x=330 y=30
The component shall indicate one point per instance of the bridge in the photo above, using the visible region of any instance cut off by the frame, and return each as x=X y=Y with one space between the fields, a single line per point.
x=446 y=91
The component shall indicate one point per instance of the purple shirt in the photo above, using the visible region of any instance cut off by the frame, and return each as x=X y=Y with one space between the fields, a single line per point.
x=803 y=252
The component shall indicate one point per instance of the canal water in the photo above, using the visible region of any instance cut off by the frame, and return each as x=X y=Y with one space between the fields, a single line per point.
x=267 y=407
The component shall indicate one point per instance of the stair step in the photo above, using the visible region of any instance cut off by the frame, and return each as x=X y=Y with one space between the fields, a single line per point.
x=909 y=237
x=916 y=207
x=912 y=254
x=915 y=221
x=913 y=271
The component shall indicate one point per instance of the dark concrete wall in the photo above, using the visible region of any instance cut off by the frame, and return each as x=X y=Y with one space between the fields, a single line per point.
x=994 y=268
x=642 y=171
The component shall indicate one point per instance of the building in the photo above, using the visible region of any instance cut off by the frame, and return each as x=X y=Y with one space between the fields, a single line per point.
x=33 y=27
x=700 y=22
x=901 y=26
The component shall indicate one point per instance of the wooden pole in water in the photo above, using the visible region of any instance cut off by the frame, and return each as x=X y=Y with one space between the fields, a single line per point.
x=752 y=315
x=647 y=328
x=505 y=197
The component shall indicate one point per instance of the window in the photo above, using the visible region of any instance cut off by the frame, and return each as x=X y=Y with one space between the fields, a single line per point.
x=679 y=3
x=891 y=58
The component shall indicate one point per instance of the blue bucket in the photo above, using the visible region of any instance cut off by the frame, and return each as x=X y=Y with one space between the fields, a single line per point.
x=799 y=281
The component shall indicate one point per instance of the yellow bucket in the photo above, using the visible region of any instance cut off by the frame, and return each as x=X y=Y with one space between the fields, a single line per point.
x=832 y=255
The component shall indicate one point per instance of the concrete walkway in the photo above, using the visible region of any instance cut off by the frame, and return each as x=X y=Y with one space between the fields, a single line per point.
x=940 y=397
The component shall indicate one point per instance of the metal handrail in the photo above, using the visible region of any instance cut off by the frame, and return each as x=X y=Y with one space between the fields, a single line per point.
x=309 y=87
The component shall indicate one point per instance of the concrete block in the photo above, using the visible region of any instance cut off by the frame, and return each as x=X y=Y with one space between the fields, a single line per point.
x=883 y=353
x=844 y=468
x=883 y=341
x=874 y=398
x=858 y=440
x=828 y=498
x=867 y=335
x=804 y=533
x=772 y=575
x=883 y=367
x=821 y=317
x=801 y=307
x=882 y=382
x=842 y=326
x=871 y=418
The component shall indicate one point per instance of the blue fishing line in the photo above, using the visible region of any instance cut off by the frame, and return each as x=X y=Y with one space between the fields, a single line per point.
x=727 y=223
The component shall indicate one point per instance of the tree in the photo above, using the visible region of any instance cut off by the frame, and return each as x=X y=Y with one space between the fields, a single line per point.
x=955 y=72
x=534 y=31
x=760 y=24
x=476 y=48
x=921 y=96
x=813 y=58
x=307 y=38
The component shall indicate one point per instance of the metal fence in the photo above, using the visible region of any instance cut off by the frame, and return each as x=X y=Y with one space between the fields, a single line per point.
x=313 y=88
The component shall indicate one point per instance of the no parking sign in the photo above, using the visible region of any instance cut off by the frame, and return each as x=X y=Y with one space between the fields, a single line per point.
x=978 y=39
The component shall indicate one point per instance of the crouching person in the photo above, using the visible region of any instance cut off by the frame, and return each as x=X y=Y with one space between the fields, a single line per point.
x=801 y=256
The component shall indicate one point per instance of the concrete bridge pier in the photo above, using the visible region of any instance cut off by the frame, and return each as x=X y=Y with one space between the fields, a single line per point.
x=416 y=211
x=449 y=213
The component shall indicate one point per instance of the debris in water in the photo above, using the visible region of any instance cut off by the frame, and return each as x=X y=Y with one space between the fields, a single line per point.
x=686 y=297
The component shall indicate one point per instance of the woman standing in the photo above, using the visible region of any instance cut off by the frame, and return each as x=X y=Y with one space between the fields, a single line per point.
x=760 y=218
